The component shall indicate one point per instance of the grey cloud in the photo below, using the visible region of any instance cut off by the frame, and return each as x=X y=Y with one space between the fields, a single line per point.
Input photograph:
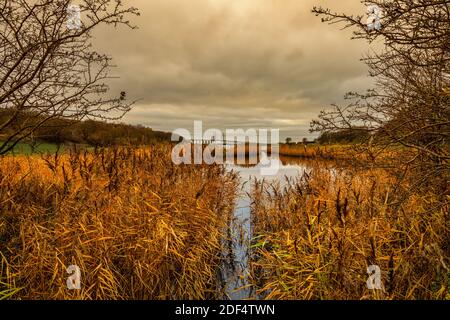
x=246 y=63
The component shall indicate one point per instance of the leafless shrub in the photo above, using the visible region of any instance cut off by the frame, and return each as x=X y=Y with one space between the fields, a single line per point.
x=49 y=71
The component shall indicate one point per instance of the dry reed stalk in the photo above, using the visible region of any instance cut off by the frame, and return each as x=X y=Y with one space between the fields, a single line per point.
x=138 y=226
x=316 y=239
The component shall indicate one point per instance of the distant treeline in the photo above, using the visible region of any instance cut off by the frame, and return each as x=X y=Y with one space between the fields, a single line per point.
x=343 y=136
x=91 y=132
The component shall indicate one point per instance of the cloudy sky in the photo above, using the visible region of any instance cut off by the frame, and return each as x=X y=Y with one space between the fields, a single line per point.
x=234 y=63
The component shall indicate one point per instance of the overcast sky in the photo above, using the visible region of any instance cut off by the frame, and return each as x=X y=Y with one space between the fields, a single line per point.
x=234 y=63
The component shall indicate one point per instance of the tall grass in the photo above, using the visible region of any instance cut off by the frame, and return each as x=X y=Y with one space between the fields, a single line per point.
x=316 y=236
x=313 y=151
x=137 y=226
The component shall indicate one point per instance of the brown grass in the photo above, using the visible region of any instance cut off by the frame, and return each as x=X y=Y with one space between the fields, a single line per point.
x=313 y=151
x=138 y=226
x=316 y=238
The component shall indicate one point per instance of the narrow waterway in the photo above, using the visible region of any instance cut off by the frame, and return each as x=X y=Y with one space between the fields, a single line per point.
x=235 y=269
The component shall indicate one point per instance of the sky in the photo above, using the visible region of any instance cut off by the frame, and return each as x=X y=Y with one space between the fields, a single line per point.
x=234 y=63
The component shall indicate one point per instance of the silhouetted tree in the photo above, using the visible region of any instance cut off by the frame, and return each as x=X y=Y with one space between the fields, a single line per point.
x=410 y=104
x=48 y=69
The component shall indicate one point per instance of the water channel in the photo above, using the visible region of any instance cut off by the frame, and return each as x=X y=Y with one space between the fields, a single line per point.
x=235 y=269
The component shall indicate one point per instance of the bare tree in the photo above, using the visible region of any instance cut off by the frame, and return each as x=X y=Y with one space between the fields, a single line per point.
x=410 y=104
x=48 y=68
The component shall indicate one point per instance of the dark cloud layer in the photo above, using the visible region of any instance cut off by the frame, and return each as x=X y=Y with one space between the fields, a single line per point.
x=234 y=63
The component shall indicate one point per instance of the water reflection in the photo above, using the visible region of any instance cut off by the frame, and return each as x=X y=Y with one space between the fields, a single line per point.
x=235 y=271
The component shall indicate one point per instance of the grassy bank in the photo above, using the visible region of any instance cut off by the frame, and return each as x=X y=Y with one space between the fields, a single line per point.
x=27 y=149
x=311 y=151
x=137 y=226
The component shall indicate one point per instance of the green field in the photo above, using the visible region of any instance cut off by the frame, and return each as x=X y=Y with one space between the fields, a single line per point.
x=26 y=149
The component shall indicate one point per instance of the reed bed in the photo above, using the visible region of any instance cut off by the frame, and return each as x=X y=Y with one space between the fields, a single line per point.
x=138 y=226
x=325 y=152
x=316 y=151
x=315 y=236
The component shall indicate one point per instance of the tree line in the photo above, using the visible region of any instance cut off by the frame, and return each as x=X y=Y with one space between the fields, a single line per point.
x=90 y=132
